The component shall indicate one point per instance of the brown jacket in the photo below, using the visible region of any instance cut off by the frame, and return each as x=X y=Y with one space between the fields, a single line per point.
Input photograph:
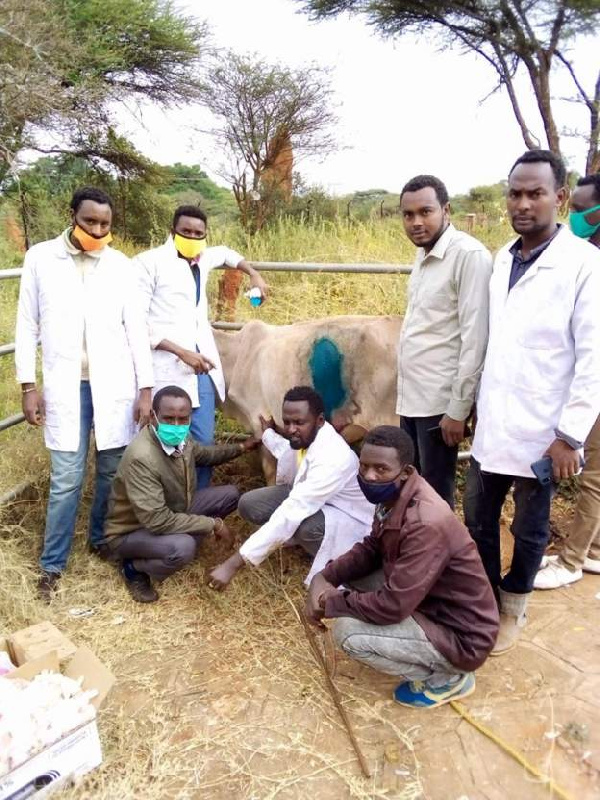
x=432 y=572
x=153 y=490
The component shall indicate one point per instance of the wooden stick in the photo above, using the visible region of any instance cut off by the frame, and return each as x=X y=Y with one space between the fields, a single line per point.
x=334 y=694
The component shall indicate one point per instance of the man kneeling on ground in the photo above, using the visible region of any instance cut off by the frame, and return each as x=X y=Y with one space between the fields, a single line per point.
x=423 y=607
x=316 y=503
x=157 y=518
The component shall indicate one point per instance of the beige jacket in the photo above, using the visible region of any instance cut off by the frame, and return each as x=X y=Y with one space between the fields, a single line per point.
x=444 y=335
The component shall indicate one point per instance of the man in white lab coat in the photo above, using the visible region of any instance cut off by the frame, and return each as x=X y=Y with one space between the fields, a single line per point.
x=540 y=389
x=173 y=280
x=316 y=502
x=78 y=296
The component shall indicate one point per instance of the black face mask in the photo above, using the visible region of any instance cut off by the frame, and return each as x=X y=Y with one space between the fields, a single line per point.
x=379 y=492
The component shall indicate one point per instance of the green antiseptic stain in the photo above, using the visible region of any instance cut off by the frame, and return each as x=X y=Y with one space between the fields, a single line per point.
x=325 y=364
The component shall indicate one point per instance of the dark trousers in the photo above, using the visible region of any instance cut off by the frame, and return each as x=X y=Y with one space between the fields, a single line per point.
x=160 y=555
x=435 y=461
x=484 y=497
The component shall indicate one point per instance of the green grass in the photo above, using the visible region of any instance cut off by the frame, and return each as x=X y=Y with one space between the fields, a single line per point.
x=294 y=297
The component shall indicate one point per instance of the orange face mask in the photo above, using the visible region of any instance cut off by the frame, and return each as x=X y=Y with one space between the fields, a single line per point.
x=89 y=242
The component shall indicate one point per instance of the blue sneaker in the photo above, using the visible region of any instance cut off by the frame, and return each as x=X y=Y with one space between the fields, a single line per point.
x=416 y=694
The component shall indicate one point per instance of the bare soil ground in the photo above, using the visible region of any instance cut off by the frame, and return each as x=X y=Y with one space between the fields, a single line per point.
x=219 y=696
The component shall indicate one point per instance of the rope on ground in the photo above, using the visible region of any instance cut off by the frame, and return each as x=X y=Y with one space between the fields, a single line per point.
x=548 y=782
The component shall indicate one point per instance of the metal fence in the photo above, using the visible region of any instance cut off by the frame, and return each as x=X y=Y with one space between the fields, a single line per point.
x=263 y=266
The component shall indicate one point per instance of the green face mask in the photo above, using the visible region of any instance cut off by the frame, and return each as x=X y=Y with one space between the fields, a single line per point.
x=172 y=435
x=579 y=224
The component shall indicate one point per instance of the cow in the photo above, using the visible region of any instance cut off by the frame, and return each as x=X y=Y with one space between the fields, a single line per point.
x=350 y=360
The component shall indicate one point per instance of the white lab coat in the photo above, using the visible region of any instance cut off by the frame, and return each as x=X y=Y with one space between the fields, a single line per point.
x=542 y=368
x=54 y=305
x=169 y=293
x=324 y=481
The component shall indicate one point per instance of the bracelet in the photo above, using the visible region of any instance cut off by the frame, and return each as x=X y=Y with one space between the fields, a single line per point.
x=215 y=529
x=26 y=391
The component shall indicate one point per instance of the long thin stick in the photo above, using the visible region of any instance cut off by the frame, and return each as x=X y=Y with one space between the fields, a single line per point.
x=334 y=694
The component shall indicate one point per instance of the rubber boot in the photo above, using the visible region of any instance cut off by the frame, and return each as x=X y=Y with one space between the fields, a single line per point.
x=512 y=621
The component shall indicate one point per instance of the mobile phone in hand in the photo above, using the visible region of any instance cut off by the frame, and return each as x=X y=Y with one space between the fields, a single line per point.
x=542 y=470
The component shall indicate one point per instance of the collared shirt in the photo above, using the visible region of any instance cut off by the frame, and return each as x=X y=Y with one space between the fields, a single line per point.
x=85 y=261
x=444 y=334
x=520 y=265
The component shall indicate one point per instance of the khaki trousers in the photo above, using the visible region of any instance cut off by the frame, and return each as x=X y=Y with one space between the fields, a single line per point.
x=584 y=538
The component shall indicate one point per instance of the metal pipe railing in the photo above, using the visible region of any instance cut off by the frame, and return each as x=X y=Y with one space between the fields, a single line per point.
x=264 y=266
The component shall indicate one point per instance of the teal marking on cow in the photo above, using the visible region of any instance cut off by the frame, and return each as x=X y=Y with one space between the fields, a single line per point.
x=325 y=364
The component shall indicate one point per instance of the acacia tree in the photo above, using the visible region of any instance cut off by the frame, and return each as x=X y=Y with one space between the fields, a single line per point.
x=64 y=64
x=508 y=34
x=265 y=113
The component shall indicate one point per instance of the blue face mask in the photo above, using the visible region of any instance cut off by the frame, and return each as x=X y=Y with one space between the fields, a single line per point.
x=580 y=225
x=379 y=492
x=171 y=435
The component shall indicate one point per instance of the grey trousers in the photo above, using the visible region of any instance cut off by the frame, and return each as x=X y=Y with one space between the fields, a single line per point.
x=401 y=649
x=160 y=555
x=257 y=506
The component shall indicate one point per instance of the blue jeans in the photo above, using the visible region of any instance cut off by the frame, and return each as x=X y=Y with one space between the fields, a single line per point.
x=484 y=497
x=434 y=460
x=203 y=424
x=66 y=479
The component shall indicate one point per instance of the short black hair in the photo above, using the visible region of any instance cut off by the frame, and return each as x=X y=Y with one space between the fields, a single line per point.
x=189 y=211
x=169 y=391
x=392 y=436
x=424 y=182
x=544 y=157
x=91 y=193
x=299 y=393
x=591 y=180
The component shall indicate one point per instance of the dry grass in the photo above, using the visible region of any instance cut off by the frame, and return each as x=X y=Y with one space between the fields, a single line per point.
x=218 y=695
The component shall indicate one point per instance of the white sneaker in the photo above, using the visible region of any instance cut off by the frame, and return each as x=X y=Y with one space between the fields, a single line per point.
x=554 y=575
x=548 y=560
x=592 y=565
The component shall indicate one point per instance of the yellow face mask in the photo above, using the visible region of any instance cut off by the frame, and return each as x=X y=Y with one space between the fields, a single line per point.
x=189 y=248
x=88 y=242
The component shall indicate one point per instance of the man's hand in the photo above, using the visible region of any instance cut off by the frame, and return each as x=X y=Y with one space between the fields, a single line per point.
x=198 y=362
x=318 y=591
x=221 y=576
x=258 y=282
x=143 y=407
x=265 y=424
x=33 y=407
x=224 y=536
x=565 y=460
x=453 y=431
x=250 y=444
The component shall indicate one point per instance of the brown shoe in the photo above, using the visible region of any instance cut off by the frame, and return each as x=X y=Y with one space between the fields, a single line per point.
x=140 y=588
x=47 y=585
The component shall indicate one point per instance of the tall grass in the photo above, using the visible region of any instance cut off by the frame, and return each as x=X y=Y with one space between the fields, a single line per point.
x=294 y=296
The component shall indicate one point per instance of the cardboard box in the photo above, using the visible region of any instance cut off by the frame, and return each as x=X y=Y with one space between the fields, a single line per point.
x=78 y=751
x=37 y=640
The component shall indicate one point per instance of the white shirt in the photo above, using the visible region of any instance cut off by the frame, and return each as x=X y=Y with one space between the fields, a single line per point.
x=542 y=369
x=169 y=295
x=85 y=263
x=325 y=477
x=444 y=334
